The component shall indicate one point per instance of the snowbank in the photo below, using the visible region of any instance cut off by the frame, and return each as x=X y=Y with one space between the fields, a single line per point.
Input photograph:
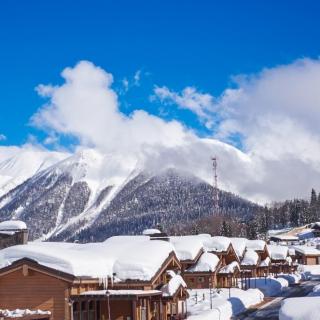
x=12 y=225
x=19 y=313
x=293 y=278
x=305 y=308
x=309 y=271
x=269 y=286
x=207 y=262
x=223 y=307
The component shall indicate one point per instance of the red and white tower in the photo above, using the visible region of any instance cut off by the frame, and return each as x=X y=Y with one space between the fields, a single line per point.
x=215 y=195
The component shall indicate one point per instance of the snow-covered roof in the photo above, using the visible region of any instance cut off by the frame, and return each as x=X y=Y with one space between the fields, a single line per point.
x=138 y=259
x=307 y=250
x=285 y=237
x=250 y=258
x=208 y=262
x=173 y=285
x=216 y=244
x=291 y=251
x=148 y=232
x=12 y=225
x=122 y=292
x=230 y=268
x=278 y=252
x=239 y=245
x=266 y=262
x=257 y=245
x=186 y=247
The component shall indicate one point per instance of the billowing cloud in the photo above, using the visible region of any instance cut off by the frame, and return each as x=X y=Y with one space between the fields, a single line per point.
x=86 y=107
x=202 y=104
x=273 y=114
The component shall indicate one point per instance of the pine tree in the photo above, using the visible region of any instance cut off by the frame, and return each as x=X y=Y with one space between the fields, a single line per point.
x=313 y=213
x=252 y=230
x=225 y=229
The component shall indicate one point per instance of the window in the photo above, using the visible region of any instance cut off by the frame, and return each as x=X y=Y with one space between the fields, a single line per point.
x=200 y=279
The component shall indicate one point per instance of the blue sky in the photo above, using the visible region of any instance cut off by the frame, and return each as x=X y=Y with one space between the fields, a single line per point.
x=173 y=43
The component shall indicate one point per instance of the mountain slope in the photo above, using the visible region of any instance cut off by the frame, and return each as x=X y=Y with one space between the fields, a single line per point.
x=18 y=164
x=90 y=196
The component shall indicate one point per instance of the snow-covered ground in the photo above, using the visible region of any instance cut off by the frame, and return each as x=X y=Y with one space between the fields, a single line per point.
x=269 y=286
x=293 y=278
x=305 y=308
x=309 y=271
x=223 y=307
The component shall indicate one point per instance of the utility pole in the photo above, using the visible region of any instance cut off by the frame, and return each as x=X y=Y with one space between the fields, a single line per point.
x=215 y=195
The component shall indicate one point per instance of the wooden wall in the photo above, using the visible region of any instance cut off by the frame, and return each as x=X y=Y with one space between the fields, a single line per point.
x=29 y=289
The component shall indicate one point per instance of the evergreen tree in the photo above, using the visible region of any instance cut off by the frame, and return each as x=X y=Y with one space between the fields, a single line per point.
x=252 y=230
x=313 y=212
x=295 y=210
x=225 y=229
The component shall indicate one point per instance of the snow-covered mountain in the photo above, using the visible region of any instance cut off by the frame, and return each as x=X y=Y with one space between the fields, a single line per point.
x=90 y=195
x=18 y=164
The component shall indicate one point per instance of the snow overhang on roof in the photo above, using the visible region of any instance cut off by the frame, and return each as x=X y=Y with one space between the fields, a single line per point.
x=217 y=244
x=208 y=262
x=12 y=225
x=278 y=252
x=187 y=247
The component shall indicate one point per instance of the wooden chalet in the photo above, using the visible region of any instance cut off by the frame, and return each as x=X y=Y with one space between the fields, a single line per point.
x=13 y=233
x=307 y=255
x=281 y=262
x=203 y=274
x=229 y=270
x=27 y=284
x=260 y=247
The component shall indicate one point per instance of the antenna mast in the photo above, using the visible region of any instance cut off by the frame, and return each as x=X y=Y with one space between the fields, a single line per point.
x=215 y=194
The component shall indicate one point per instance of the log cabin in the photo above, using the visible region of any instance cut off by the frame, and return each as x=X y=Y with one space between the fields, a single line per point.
x=13 y=233
x=307 y=255
x=188 y=250
x=229 y=261
x=260 y=247
x=281 y=262
x=250 y=263
x=203 y=274
x=60 y=278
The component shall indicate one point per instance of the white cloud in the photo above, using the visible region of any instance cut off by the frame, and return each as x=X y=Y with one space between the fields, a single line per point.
x=3 y=137
x=276 y=112
x=202 y=104
x=86 y=107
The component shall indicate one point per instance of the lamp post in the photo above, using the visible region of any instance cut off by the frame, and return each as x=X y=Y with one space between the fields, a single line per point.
x=108 y=301
x=210 y=292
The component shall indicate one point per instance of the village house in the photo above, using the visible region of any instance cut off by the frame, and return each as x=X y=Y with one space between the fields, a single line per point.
x=281 y=262
x=229 y=271
x=123 y=278
x=203 y=274
x=260 y=247
x=12 y=233
x=306 y=255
